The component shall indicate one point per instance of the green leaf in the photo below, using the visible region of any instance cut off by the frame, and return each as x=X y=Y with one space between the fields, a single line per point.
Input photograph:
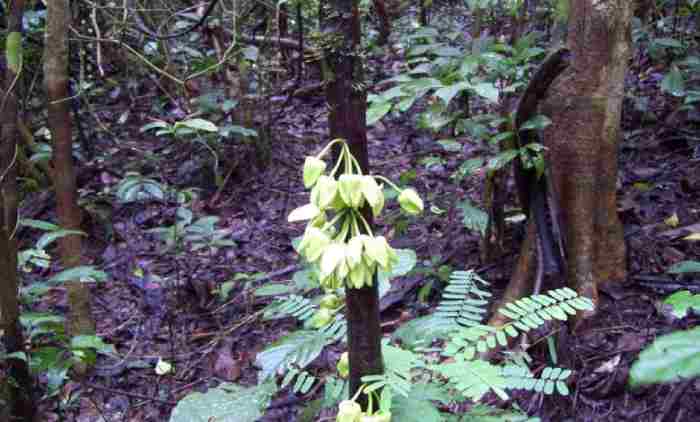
x=447 y=93
x=273 y=290
x=473 y=218
x=668 y=43
x=13 y=51
x=227 y=403
x=418 y=406
x=38 y=224
x=154 y=125
x=48 y=238
x=685 y=267
x=299 y=348
x=91 y=342
x=450 y=145
x=669 y=358
x=198 y=124
x=538 y=122
x=682 y=302
x=502 y=159
x=82 y=273
x=673 y=83
x=487 y=90
x=376 y=111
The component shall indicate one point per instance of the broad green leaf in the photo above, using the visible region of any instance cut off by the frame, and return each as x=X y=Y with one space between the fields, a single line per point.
x=538 y=122
x=274 y=289
x=447 y=93
x=91 y=342
x=487 y=90
x=669 y=358
x=227 y=403
x=82 y=273
x=473 y=218
x=685 y=267
x=198 y=124
x=376 y=111
x=673 y=83
x=154 y=125
x=682 y=302
x=502 y=159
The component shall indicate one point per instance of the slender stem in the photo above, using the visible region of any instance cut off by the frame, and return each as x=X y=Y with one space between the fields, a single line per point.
x=356 y=163
x=365 y=223
x=343 y=234
x=355 y=226
x=333 y=221
x=388 y=182
x=324 y=151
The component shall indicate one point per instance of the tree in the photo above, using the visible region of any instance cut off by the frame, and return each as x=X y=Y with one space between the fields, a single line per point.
x=18 y=392
x=347 y=98
x=585 y=105
x=56 y=80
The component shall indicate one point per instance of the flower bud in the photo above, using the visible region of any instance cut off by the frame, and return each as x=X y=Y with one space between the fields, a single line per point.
x=343 y=365
x=313 y=168
x=333 y=255
x=330 y=301
x=324 y=192
x=350 y=186
x=410 y=202
x=321 y=318
x=313 y=244
x=348 y=411
x=373 y=194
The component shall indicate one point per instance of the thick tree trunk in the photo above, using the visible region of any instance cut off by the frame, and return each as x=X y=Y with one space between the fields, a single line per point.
x=15 y=396
x=347 y=99
x=56 y=80
x=585 y=105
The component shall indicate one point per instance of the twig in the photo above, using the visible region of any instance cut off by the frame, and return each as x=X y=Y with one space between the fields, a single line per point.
x=129 y=394
x=672 y=400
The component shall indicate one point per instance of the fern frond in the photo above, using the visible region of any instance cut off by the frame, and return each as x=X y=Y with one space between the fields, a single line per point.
x=463 y=302
x=296 y=350
x=474 y=378
x=304 y=381
x=399 y=366
x=294 y=306
x=520 y=378
x=527 y=313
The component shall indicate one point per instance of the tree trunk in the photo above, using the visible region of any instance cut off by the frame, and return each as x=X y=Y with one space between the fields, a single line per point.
x=585 y=104
x=56 y=80
x=15 y=394
x=347 y=99
x=384 y=21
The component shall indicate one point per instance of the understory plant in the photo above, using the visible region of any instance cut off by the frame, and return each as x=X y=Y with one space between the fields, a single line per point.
x=343 y=252
x=50 y=351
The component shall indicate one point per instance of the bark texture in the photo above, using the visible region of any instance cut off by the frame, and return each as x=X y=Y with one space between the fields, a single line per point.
x=56 y=81
x=15 y=397
x=347 y=100
x=585 y=104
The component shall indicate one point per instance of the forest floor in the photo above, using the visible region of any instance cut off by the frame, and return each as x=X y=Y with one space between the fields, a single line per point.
x=158 y=305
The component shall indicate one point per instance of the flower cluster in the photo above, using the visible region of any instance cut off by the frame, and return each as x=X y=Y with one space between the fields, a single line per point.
x=344 y=248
